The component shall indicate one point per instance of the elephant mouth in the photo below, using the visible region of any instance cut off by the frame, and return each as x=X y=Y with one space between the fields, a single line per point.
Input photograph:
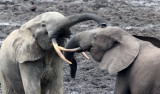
x=58 y=50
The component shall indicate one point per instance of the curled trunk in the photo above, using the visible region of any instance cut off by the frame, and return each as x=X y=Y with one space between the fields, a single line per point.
x=70 y=56
x=74 y=19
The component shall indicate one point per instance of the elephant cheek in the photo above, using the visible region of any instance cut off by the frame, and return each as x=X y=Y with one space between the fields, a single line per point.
x=97 y=53
x=85 y=46
x=45 y=44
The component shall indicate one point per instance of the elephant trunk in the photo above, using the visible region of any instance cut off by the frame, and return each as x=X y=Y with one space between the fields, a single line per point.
x=58 y=49
x=73 y=43
x=67 y=23
x=74 y=19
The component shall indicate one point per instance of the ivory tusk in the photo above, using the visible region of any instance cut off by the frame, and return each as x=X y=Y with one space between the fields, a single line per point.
x=83 y=53
x=55 y=45
x=69 y=50
x=73 y=50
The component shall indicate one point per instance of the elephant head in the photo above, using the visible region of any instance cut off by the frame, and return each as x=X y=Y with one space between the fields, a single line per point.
x=115 y=48
x=50 y=28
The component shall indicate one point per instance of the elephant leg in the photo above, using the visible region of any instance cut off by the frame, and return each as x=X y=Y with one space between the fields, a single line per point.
x=56 y=90
x=6 y=88
x=44 y=88
x=30 y=74
x=44 y=91
x=57 y=81
x=121 y=85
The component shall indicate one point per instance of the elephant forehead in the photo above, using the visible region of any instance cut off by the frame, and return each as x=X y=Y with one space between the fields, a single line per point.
x=46 y=17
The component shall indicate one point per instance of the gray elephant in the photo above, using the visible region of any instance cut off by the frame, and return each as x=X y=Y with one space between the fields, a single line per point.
x=29 y=64
x=136 y=61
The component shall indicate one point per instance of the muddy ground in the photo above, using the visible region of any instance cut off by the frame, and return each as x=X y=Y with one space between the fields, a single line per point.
x=139 y=17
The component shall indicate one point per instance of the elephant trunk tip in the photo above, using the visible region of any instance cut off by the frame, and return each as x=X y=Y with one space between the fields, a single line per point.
x=103 y=25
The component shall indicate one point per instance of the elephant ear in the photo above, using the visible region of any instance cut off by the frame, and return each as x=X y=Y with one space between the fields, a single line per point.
x=26 y=47
x=121 y=55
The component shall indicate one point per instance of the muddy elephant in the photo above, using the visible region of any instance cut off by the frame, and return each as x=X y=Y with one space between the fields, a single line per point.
x=136 y=61
x=30 y=60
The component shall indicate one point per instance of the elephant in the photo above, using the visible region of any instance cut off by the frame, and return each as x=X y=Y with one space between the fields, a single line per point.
x=30 y=58
x=134 y=59
x=154 y=41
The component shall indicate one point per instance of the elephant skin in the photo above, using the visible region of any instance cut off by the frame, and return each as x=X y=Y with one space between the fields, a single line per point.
x=29 y=63
x=134 y=58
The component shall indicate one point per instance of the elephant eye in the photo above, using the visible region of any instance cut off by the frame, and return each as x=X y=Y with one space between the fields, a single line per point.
x=94 y=36
x=43 y=25
x=46 y=33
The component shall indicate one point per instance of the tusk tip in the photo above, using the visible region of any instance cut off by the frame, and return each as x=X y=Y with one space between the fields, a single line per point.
x=84 y=55
x=69 y=62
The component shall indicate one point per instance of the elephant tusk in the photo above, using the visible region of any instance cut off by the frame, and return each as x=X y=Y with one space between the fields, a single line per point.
x=84 y=55
x=69 y=50
x=55 y=45
x=73 y=50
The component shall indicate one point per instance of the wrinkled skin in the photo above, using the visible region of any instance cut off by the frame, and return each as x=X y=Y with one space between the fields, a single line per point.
x=28 y=62
x=135 y=60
